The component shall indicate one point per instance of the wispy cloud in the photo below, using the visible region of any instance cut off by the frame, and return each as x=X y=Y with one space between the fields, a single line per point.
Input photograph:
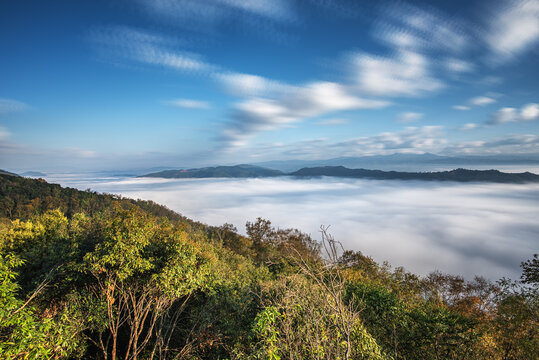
x=333 y=121
x=265 y=18
x=478 y=101
x=410 y=140
x=216 y=10
x=188 y=104
x=315 y=99
x=409 y=27
x=9 y=106
x=513 y=29
x=510 y=144
x=529 y=112
x=459 y=66
x=123 y=43
x=405 y=74
x=251 y=85
x=470 y=126
x=409 y=117
x=481 y=101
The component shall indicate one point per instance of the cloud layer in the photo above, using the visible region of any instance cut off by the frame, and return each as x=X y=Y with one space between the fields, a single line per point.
x=468 y=229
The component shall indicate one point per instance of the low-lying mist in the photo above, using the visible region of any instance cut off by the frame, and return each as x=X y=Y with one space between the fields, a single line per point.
x=467 y=229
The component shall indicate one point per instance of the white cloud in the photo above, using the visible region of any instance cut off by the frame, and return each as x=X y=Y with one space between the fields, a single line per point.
x=528 y=112
x=412 y=28
x=469 y=126
x=459 y=66
x=275 y=9
x=490 y=98
x=513 y=29
x=334 y=121
x=481 y=100
x=189 y=104
x=406 y=74
x=204 y=15
x=504 y=115
x=315 y=99
x=9 y=105
x=410 y=140
x=408 y=117
x=251 y=85
x=126 y=43
x=510 y=144
x=177 y=61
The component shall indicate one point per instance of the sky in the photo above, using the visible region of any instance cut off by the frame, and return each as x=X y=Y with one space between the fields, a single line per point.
x=123 y=84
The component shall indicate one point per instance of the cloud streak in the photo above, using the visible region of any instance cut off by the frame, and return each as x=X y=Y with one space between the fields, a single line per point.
x=11 y=106
x=513 y=29
x=478 y=101
x=406 y=74
x=188 y=104
x=123 y=43
x=217 y=10
x=302 y=102
x=410 y=117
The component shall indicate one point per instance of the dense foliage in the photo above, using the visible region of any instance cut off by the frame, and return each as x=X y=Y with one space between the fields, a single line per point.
x=93 y=276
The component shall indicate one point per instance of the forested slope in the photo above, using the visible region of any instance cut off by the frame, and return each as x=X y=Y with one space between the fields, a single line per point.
x=94 y=276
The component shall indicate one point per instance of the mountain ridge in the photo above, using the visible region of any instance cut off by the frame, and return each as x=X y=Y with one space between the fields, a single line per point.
x=235 y=171
x=249 y=171
x=398 y=160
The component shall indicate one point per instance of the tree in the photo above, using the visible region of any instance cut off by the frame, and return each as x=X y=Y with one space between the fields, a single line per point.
x=141 y=269
x=24 y=333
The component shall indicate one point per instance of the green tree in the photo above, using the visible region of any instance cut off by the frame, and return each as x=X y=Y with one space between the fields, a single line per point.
x=141 y=268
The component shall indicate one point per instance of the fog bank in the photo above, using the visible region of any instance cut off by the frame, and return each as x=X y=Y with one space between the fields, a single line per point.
x=468 y=229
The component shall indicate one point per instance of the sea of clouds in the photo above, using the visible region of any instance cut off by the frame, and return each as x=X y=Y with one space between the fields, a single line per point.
x=460 y=228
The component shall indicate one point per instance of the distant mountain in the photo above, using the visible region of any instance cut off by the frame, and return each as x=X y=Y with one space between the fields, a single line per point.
x=461 y=175
x=33 y=174
x=408 y=162
x=4 y=172
x=237 y=171
x=249 y=171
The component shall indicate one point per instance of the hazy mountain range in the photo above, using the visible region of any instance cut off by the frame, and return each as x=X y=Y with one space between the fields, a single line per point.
x=250 y=171
x=237 y=171
x=410 y=162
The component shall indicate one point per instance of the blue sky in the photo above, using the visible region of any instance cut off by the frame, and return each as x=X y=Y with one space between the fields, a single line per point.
x=123 y=84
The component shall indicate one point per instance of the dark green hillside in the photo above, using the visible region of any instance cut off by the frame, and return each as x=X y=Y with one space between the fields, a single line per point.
x=23 y=197
x=95 y=276
x=4 y=172
x=237 y=171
